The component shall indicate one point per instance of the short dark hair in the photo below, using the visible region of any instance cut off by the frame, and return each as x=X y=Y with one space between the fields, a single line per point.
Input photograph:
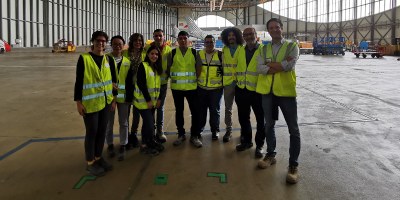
x=183 y=33
x=275 y=20
x=158 y=30
x=210 y=36
x=98 y=34
x=234 y=30
x=118 y=37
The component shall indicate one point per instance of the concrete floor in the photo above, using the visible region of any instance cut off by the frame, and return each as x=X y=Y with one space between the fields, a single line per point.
x=348 y=114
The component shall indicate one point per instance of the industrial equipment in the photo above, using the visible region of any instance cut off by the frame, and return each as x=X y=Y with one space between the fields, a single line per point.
x=63 y=46
x=329 y=46
x=366 y=48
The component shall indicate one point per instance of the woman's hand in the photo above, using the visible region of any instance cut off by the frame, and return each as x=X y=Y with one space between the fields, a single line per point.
x=158 y=103
x=81 y=109
x=149 y=104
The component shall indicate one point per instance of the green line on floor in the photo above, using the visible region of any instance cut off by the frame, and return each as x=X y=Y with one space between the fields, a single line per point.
x=222 y=176
x=161 y=179
x=83 y=180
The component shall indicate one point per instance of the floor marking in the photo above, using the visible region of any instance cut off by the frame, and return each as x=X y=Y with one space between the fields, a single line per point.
x=161 y=179
x=222 y=176
x=83 y=180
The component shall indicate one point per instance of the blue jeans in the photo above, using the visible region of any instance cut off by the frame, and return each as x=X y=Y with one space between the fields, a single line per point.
x=209 y=99
x=288 y=106
x=160 y=110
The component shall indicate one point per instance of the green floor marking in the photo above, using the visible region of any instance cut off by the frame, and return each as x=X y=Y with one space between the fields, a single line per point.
x=83 y=181
x=161 y=179
x=222 y=176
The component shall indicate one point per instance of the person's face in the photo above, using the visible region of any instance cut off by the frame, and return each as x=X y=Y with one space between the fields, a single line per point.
x=249 y=35
x=117 y=45
x=99 y=43
x=275 y=30
x=138 y=43
x=209 y=44
x=182 y=41
x=153 y=55
x=158 y=37
x=232 y=38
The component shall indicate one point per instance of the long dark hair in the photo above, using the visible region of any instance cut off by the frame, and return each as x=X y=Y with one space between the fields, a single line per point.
x=157 y=66
x=236 y=31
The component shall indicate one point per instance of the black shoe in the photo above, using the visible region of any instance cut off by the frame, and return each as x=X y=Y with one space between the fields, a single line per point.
x=227 y=137
x=95 y=169
x=258 y=153
x=121 y=153
x=133 y=141
x=149 y=151
x=104 y=164
x=214 y=136
x=157 y=146
x=110 y=150
x=243 y=146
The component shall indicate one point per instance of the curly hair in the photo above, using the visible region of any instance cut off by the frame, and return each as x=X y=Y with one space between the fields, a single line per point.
x=236 y=31
x=132 y=39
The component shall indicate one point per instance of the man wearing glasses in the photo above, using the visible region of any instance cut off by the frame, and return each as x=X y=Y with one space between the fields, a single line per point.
x=182 y=70
x=245 y=93
x=209 y=80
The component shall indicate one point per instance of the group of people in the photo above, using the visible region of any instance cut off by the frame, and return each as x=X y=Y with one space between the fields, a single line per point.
x=257 y=77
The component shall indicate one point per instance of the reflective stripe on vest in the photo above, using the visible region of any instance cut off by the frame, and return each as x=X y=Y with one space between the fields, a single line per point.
x=247 y=75
x=283 y=83
x=123 y=72
x=153 y=82
x=230 y=64
x=183 y=71
x=209 y=77
x=97 y=84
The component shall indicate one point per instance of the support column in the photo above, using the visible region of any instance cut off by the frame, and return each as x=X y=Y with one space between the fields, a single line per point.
x=46 y=23
x=393 y=27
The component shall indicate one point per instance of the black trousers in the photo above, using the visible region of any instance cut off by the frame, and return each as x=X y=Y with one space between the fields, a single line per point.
x=179 y=101
x=96 y=125
x=245 y=101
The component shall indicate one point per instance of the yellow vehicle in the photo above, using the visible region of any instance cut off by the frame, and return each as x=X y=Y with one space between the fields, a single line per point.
x=63 y=46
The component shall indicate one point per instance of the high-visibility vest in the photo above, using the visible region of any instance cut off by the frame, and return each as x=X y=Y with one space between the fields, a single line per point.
x=230 y=64
x=164 y=55
x=153 y=82
x=247 y=75
x=209 y=77
x=97 y=84
x=283 y=84
x=123 y=72
x=183 y=71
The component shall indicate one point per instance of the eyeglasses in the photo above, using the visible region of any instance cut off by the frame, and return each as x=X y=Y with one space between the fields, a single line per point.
x=248 y=34
x=100 y=41
x=209 y=42
x=157 y=35
x=117 y=45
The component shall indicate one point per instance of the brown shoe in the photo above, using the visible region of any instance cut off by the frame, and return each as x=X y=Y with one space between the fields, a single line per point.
x=292 y=175
x=266 y=162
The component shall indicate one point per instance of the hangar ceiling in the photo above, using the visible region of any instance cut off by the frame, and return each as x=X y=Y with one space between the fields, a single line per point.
x=216 y=4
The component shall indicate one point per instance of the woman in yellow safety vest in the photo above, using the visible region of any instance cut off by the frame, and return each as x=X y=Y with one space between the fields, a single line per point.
x=145 y=95
x=136 y=54
x=95 y=98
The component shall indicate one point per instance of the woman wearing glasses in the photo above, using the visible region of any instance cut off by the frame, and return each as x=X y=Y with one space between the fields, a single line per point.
x=95 y=99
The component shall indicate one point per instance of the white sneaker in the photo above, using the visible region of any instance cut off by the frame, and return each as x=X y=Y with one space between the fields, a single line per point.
x=195 y=141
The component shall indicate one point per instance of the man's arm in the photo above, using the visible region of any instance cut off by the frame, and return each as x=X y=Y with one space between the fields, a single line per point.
x=199 y=63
